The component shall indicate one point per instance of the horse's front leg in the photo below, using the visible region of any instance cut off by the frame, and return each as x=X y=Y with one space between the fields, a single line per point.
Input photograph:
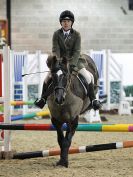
x=71 y=127
x=60 y=138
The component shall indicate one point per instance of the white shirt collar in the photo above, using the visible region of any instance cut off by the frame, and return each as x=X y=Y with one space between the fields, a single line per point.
x=66 y=32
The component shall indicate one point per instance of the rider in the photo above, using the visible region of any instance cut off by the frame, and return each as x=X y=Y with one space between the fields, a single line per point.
x=66 y=42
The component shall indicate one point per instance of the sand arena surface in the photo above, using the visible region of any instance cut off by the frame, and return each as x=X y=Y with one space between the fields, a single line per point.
x=112 y=163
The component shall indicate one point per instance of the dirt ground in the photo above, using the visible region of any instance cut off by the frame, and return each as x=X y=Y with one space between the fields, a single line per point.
x=111 y=163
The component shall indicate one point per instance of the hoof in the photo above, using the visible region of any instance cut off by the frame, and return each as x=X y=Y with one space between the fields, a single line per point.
x=62 y=163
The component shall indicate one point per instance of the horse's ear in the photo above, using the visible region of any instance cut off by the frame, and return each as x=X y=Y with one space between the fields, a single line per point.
x=54 y=59
x=51 y=60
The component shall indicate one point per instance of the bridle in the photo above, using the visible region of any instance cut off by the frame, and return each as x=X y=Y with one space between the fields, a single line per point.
x=68 y=81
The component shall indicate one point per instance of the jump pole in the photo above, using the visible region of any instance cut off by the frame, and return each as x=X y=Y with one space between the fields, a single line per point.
x=16 y=103
x=30 y=115
x=81 y=149
x=81 y=127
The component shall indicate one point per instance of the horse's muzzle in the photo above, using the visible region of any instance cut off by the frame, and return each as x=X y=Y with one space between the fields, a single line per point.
x=59 y=101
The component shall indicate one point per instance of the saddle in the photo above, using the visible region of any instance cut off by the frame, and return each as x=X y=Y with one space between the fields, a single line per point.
x=84 y=83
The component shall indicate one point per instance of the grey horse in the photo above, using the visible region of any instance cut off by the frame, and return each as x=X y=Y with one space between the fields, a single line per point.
x=68 y=100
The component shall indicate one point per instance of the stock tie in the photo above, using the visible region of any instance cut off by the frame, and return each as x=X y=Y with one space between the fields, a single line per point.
x=66 y=36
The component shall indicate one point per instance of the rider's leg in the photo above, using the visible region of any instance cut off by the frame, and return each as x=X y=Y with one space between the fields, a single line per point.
x=42 y=101
x=90 y=88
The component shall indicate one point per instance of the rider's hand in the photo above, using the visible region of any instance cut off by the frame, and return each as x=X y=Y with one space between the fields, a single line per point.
x=72 y=68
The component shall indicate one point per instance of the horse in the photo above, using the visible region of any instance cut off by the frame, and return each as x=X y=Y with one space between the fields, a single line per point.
x=68 y=100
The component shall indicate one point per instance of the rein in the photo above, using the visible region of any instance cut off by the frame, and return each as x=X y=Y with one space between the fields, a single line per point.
x=57 y=87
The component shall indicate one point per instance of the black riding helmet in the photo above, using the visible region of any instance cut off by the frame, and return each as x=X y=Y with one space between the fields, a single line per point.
x=66 y=15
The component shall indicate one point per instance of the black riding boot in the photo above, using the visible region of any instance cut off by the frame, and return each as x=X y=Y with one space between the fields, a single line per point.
x=96 y=104
x=42 y=101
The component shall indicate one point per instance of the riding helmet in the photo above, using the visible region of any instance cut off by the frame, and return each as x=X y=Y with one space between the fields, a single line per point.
x=66 y=15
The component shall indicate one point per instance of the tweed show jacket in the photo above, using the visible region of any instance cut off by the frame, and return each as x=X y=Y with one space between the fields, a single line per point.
x=69 y=47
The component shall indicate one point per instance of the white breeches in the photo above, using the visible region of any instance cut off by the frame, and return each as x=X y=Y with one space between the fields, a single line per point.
x=87 y=75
